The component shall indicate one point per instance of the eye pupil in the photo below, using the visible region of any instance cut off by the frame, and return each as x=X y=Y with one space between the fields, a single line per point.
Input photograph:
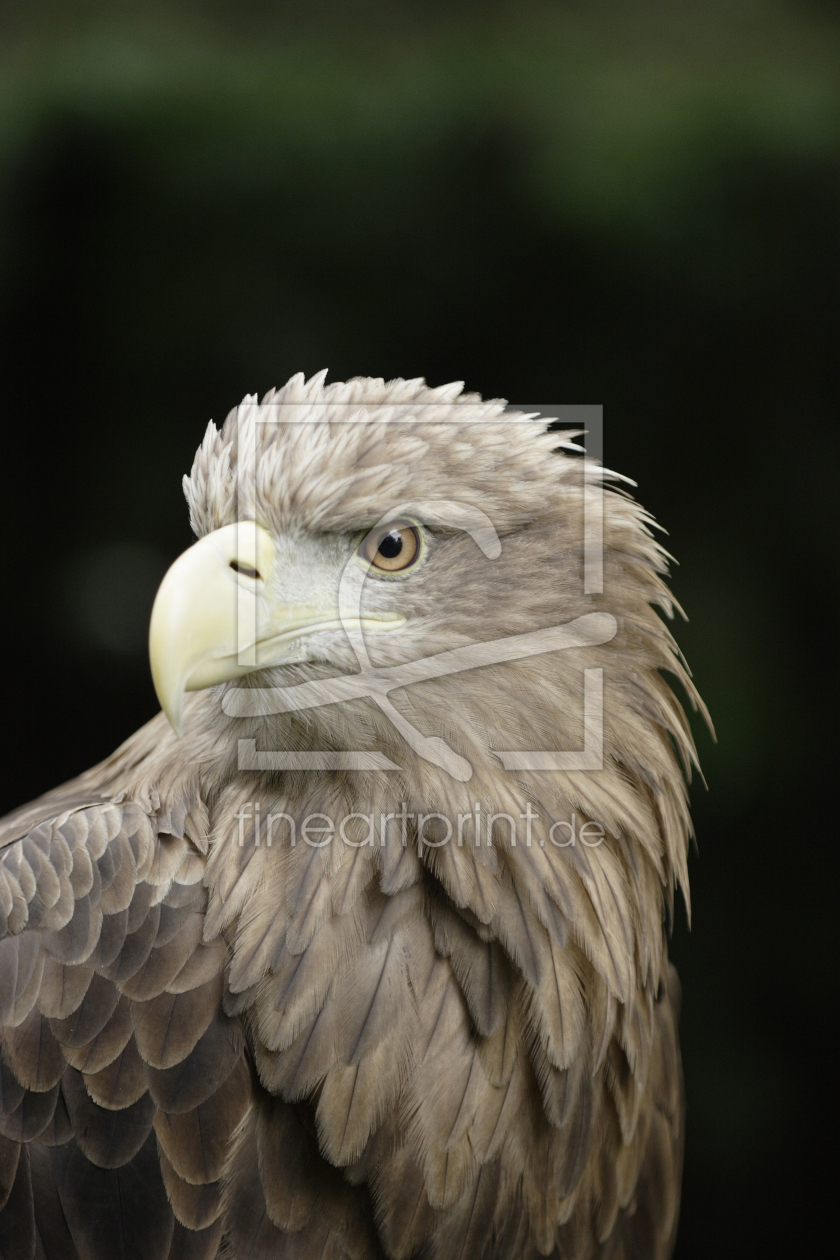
x=391 y=545
x=395 y=548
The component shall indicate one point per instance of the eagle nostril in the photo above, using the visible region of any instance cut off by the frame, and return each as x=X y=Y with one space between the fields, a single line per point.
x=245 y=569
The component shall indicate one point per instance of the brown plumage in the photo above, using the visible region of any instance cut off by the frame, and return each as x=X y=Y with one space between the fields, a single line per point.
x=223 y=1040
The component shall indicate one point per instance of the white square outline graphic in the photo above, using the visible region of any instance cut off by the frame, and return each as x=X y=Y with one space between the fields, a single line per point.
x=590 y=629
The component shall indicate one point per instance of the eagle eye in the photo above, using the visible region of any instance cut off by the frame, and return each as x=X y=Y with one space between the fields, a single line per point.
x=392 y=548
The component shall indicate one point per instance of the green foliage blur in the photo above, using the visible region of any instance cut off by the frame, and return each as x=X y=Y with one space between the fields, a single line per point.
x=628 y=204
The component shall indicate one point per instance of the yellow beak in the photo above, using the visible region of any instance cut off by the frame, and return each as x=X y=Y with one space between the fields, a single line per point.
x=222 y=612
x=210 y=614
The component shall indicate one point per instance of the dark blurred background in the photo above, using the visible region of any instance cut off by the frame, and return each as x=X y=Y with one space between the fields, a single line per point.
x=634 y=205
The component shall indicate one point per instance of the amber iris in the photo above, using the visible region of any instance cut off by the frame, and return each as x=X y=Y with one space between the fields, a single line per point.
x=392 y=548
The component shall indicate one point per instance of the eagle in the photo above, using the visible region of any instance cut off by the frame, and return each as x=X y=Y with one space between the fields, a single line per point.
x=358 y=949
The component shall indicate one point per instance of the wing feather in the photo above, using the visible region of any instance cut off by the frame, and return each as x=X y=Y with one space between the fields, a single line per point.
x=62 y=988
x=122 y=1213
x=196 y=1142
x=59 y=1130
x=108 y=1009
x=19 y=956
x=163 y=962
x=478 y=965
x=191 y=1082
x=405 y=1219
x=111 y=938
x=31 y=1115
x=198 y=1244
x=17 y=1220
x=54 y=1238
x=250 y=1227
x=135 y=949
x=556 y=1008
x=86 y=1021
x=105 y=1046
x=168 y=1026
x=106 y=1137
x=121 y=1082
x=290 y=1169
x=32 y=1053
x=462 y=1232
x=9 y=1156
x=195 y=1206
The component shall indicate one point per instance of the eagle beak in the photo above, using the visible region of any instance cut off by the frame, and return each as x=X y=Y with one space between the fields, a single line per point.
x=225 y=609
x=213 y=613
